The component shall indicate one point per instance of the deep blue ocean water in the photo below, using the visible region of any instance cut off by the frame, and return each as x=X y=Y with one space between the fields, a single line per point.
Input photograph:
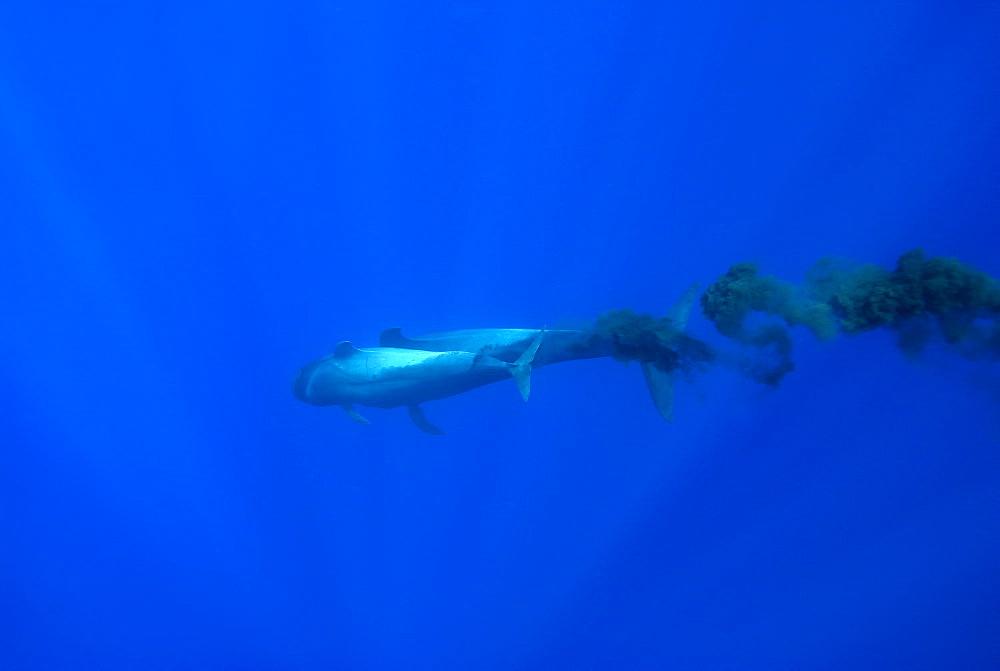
x=197 y=199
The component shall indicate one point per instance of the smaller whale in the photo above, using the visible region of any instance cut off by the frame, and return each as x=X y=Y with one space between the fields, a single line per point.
x=389 y=377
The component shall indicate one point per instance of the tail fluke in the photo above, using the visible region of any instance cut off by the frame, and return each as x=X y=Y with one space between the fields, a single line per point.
x=661 y=382
x=521 y=369
x=679 y=314
x=661 y=388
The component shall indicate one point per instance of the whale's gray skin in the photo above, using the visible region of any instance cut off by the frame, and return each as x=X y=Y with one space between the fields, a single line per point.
x=506 y=344
x=559 y=345
x=389 y=377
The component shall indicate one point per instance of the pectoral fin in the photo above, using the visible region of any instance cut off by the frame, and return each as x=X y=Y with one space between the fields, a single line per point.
x=353 y=414
x=417 y=415
x=661 y=388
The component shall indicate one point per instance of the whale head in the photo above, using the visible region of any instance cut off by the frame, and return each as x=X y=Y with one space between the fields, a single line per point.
x=321 y=382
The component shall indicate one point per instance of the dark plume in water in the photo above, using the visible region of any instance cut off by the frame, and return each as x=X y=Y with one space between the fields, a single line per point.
x=644 y=338
x=921 y=299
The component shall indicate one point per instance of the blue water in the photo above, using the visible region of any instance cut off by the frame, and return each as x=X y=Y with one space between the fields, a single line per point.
x=199 y=199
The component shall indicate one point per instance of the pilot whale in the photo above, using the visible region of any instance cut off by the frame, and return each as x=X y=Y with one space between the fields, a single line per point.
x=506 y=344
x=568 y=345
x=389 y=377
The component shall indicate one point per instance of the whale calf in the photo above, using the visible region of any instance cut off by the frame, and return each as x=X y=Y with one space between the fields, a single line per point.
x=561 y=345
x=389 y=377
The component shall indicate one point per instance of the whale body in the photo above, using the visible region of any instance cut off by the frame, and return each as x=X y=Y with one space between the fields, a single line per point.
x=506 y=344
x=389 y=377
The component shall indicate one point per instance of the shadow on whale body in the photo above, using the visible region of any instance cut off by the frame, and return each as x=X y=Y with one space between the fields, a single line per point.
x=390 y=377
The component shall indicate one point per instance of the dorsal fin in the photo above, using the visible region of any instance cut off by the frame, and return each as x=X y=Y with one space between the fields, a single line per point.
x=393 y=338
x=344 y=350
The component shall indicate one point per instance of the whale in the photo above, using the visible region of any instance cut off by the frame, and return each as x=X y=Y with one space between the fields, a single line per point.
x=506 y=344
x=390 y=377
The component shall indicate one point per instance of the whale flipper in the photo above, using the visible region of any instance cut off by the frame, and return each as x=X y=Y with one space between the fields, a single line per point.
x=661 y=388
x=353 y=414
x=417 y=415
